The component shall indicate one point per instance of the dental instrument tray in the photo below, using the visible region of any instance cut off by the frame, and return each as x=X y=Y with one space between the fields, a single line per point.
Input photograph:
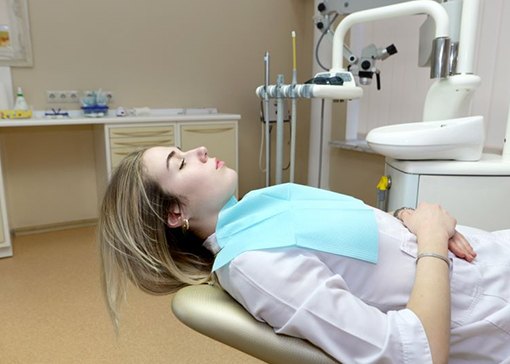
x=95 y=111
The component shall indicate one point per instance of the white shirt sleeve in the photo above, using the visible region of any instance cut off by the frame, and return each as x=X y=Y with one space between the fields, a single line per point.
x=298 y=295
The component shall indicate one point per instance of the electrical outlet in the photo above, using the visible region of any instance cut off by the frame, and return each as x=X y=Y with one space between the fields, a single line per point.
x=62 y=96
x=51 y=96
x=72 y=96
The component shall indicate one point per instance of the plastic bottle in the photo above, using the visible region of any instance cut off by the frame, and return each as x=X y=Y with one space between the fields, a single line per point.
x=21 y=103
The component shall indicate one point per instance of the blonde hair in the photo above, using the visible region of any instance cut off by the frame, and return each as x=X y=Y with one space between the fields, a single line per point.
x=137 y=245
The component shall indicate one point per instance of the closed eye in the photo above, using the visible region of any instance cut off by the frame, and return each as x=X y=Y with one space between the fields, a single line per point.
x=183 y=163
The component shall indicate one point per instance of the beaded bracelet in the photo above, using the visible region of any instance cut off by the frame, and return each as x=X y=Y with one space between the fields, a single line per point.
x=433 y=255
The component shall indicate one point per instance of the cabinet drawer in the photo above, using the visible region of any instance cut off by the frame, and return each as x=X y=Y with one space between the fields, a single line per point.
x=117 y=154
x=143 y=136
x=142 y=142
x=219 y=138
x=128 y=139
x=142 y=131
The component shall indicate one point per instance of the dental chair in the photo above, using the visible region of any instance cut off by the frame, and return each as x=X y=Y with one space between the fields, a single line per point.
x=212 y=312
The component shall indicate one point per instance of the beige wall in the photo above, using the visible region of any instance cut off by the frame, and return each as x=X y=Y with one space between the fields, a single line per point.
x=356 y=174
x=160 y=54
x=156 y=53
x=352 y=172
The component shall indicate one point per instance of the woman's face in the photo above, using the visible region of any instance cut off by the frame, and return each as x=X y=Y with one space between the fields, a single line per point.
x=205 y=183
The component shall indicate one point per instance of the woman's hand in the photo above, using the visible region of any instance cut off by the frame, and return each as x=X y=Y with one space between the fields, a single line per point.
x=429 y=219
x=459 y=246
x=428 y=214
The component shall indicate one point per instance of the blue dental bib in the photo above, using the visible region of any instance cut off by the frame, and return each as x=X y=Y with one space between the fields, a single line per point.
x=288 y=215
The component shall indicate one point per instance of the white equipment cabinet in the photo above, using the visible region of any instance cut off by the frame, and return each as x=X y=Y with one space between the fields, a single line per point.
x=475 y=193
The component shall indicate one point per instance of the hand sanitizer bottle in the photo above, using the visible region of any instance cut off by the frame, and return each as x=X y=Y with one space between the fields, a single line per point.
x=21 y=103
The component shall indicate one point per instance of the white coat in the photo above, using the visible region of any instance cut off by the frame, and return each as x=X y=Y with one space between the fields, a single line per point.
x=355 y=310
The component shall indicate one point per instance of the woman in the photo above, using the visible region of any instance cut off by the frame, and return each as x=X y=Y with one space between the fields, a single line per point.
x=161 y=227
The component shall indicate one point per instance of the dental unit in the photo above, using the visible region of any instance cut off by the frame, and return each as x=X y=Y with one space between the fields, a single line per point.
x=439 y=157
x=339 y=83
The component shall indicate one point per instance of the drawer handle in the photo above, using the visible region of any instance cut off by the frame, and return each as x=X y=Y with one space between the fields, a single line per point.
x=143 y=143
x=208 y=131
x=141 y=134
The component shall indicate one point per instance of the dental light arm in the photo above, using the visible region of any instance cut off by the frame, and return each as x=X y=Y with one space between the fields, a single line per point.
x=440 y=49
x=328 y=7
x=441 y=46
x=338 y=83
x=363 y=67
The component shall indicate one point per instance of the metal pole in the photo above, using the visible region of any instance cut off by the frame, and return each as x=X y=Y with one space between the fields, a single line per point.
x=279 y=130
x=266 y=119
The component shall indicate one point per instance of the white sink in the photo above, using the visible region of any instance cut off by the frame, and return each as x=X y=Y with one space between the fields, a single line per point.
x=458 y=139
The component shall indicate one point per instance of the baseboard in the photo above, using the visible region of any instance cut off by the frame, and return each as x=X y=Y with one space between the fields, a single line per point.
x=28 y=230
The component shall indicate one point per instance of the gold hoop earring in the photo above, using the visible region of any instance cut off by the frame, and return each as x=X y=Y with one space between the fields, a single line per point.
x=185 y=225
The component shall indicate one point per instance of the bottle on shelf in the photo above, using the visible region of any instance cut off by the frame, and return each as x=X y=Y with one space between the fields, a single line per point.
x=21 y=103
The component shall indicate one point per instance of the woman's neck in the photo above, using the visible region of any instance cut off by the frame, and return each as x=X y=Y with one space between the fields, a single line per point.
x=205 y=227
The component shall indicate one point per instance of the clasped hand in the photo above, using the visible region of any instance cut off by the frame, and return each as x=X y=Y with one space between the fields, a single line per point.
x=432 y=216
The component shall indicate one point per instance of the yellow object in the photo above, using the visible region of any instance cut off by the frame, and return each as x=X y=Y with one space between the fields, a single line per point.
x=15 y=114
x=294 y=63
x=383 y=184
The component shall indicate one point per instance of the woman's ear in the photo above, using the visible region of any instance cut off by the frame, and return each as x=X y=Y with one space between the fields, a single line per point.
x=174 y=217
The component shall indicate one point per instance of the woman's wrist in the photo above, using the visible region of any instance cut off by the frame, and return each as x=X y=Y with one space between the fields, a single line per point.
x=431 y=239
x=435 y=247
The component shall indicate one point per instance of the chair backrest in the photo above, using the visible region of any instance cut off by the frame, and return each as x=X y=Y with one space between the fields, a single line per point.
x=212 y=312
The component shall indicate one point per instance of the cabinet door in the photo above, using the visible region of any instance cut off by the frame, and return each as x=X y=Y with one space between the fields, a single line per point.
x=5 y=237
x=2 y=236
x=124 y=140
x=220 y=139
x=480 y=201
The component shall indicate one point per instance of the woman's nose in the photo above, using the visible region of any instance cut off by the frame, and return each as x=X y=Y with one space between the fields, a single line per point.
x=202 y=154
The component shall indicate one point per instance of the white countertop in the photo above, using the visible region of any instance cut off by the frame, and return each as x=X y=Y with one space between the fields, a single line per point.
x=154 y=115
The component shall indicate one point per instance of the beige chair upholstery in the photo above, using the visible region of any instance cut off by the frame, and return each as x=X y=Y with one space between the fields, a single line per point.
x=212 y=312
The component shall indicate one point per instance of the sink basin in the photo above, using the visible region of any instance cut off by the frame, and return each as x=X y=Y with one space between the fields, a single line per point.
x=458 y=139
